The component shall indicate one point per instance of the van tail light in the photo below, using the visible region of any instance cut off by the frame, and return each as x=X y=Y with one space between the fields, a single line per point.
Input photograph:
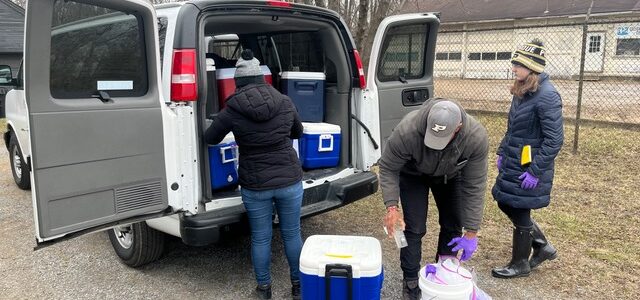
x=279 y=3
x=363 y=81
x=184 y=86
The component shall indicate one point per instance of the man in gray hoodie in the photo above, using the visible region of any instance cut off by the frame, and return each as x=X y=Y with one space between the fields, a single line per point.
x=439 y=148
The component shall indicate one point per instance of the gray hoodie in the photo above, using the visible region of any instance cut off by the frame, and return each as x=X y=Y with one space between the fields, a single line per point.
x=464 y=156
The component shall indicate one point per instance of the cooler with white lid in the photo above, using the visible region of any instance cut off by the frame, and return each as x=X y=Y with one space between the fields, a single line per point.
x=306 y=90
x=334 y=267
x=227 y=84
x=223 y=163
x=319 y=146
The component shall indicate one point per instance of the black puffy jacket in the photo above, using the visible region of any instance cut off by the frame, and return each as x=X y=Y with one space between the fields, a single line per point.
x=536 y=120
x=263 y=122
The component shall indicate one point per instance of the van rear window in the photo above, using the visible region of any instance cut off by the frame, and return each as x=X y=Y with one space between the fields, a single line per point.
x=403 y=53
x=95 y=48
x=300 y=51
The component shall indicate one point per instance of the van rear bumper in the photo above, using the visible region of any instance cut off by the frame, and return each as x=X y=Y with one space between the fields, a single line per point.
x=205 y=228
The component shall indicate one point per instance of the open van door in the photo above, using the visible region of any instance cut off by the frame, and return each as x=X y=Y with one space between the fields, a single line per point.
x=400 y=75
x=95 y=118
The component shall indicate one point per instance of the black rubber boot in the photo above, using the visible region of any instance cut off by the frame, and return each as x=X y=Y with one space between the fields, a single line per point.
x=542 y=249
x=521 y=248
x=263 y=291
x=410 y=289
x=295 y=290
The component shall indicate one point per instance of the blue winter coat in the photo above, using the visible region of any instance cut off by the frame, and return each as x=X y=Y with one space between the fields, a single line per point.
x=536 y=120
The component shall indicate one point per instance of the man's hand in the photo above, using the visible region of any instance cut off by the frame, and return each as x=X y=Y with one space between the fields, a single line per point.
x=468 y=244
x=392 y=218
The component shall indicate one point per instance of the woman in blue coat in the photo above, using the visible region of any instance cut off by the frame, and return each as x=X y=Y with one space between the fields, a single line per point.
x=526 y=158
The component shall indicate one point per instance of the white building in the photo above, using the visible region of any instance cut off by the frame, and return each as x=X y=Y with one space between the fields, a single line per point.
x=477 y=37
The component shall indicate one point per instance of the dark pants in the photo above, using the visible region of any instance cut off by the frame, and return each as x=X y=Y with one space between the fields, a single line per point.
x=414 y=192
x=520 y=217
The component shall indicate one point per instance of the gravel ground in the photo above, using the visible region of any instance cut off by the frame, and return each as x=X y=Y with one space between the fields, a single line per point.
x=87 y=268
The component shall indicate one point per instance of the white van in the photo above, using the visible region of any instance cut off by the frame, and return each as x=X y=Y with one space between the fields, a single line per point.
x=119 y=93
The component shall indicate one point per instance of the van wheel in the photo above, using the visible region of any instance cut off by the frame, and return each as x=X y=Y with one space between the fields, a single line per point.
x=137 y=244
x=18 y=166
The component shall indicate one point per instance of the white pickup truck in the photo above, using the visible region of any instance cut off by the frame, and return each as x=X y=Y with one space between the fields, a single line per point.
x=106 y=123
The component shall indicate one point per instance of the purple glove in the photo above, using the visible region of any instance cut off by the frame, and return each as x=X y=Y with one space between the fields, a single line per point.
x=499 y=161
x=468 y=246
x=529 y=181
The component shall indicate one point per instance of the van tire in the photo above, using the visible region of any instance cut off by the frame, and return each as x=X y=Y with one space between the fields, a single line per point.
x=137 y=244
x=19 y=167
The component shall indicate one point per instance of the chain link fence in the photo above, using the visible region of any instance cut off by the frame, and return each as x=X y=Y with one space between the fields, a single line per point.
x=594 y=64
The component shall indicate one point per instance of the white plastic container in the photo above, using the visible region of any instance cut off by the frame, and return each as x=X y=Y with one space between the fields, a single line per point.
x=456 y=282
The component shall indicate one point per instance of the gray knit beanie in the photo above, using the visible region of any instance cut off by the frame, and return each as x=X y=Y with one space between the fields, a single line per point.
x=247 y=65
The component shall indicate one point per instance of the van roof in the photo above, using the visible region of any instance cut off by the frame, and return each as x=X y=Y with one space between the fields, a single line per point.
x=206 y=3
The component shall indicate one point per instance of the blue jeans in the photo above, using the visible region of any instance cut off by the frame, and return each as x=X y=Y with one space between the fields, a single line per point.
x=259 y=206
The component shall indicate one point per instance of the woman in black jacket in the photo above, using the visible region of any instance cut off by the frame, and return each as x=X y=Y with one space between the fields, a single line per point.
x=264 y=122
x=526 y=158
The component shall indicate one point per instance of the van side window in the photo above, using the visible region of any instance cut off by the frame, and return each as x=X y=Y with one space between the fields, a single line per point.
x=95 y=48
x=403 y=53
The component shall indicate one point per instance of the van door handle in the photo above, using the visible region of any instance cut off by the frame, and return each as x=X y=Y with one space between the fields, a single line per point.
x=103 y=96
x=414 y=97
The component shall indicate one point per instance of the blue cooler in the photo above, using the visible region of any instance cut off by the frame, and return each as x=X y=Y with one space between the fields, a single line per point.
x=319 y=146
x=306 y=90
x=223 y=163
x=334 y=267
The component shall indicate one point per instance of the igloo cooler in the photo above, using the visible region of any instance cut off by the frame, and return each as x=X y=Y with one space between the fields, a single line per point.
x=306 y=90
x=227 y=85
x=223 y=163
x=341 y=267
x=319 y=146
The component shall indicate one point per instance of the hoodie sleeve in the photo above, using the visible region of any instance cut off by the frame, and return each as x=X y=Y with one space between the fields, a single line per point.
x=221 y=125
x=474 y=183
x=395 y=156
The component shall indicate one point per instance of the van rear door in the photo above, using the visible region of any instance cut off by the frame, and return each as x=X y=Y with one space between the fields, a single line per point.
x=400 y=75
x=95 y=115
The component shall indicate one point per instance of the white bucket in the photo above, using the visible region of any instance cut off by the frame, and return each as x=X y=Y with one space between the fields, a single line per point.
x=461 y=290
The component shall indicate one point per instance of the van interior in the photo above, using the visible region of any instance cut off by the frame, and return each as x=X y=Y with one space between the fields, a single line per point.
x=283 y=44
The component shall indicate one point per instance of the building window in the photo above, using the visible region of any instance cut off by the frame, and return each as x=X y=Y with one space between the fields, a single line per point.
x=448 y=56
x=489 y=56
x=503 y=56
x=628 y=47
x=475 y=56
x=442 y=56
x=455 y=55
x=594 y=43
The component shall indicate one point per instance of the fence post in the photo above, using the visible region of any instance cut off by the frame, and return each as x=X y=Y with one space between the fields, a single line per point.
x=585 y=28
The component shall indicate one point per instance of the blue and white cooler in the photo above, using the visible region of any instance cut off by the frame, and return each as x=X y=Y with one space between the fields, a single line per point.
x=223 y=163
x=341 y=267
x=306 y=90
x=319 y=146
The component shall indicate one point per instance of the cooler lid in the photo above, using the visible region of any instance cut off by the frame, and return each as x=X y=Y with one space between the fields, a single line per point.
x=320 y=128
x=303 y=75
x=227 y=73
x=363 y=253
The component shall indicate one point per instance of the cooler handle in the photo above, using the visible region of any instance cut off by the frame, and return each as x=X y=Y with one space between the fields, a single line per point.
x=325 y=137
x=223 y=151
x=338 y=270
x=305 y=86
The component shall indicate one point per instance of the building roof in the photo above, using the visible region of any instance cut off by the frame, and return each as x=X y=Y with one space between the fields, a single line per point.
x=11 y=27
x=483 y=10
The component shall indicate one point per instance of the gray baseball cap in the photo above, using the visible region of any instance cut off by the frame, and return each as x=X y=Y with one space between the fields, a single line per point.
x=442 y=121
